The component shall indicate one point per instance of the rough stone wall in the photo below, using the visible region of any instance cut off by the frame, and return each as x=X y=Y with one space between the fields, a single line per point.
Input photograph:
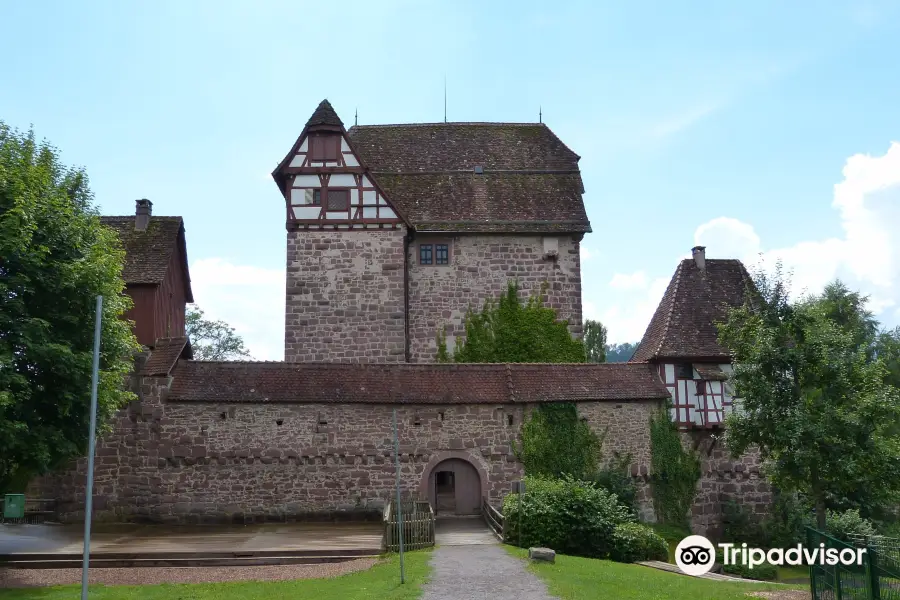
x=345 y=296
x=480 y=267
x=195 y=463
x=724 y=479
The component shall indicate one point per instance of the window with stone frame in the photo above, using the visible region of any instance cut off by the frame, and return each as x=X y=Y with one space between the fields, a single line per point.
x=442 y=254
x=426 y=254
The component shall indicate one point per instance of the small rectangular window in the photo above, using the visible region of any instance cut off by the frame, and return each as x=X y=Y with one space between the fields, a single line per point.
x=317 y=197
x=425 y=254
x=685 y=372
x=441 y=254
x=338 y=199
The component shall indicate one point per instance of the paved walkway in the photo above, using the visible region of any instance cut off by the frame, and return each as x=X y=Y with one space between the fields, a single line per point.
x=470 y=564
x=481 y=572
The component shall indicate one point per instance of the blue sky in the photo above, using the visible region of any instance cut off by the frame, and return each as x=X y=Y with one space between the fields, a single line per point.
x=760 y=127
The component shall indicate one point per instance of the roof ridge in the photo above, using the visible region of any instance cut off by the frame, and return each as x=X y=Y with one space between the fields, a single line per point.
x=450 y=123
x=667 y=322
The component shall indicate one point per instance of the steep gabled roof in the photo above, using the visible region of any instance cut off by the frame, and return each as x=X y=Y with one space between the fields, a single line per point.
x=324 y=115
x=149 y=252
x=404 y=383
x=684 y=324
x=530 y=182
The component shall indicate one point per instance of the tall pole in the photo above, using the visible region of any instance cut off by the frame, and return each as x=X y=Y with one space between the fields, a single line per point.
x=399 y=507
x=89 y=492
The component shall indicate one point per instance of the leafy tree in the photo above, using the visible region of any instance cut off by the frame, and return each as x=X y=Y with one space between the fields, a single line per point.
x=595 y=341
x=55 y=258
x=813 y=396
x=212 y=340
x=509 y=330
x=620 y=352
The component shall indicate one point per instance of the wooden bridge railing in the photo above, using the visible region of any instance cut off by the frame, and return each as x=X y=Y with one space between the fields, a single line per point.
x=492 y=517
x=417 y=522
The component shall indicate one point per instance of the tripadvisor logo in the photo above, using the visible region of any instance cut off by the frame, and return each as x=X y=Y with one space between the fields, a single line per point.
x=695 y=555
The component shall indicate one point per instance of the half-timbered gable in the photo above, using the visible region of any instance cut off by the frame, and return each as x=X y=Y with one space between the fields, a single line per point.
x=324 y=183
x=682 y=338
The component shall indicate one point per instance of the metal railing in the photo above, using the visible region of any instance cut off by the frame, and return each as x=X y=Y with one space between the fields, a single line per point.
x=493 y=518
x=417 y=522
x=877 y=578
x=37 y=511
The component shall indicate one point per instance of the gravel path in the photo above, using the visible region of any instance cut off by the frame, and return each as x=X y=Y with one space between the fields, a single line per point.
x=10 y=578
x=484 y=572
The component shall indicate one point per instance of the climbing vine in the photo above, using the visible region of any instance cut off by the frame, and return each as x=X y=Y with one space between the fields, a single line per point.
x=509 y=329
x=675 y=471
x=556 y=442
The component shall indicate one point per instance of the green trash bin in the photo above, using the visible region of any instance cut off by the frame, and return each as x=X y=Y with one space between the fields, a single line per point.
x=14 y=506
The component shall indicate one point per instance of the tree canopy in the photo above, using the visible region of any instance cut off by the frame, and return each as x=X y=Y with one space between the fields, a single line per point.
x=620 y=352
x=814 y=382
x=212 y=340
x=595 y=341
x=510 y=330
x=55 y=258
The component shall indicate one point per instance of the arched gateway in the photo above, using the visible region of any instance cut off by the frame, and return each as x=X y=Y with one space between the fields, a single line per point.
x=453 y=486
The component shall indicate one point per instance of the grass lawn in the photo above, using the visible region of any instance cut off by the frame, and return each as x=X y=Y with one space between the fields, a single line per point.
x=381 y=581
x=573 y=578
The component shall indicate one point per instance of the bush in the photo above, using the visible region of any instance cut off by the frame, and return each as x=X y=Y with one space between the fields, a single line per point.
x=633 y=542
x=844 y=524
x=739 y=526
x=781 y=528
x=572 y=517
x=763 y=572
x=616 y=479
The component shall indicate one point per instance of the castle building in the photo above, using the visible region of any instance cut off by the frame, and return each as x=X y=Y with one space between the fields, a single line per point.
x=395 y=231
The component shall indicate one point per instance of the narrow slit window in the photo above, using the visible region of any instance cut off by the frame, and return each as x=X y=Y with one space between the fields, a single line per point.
x=426 y=254
x=317 y=197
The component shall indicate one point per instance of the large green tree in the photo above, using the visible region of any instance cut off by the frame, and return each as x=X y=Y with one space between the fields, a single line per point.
x=212 y=340
x=508 y=329
x=814 y=397
x=620 y=352
x=55 y=258
x=595 y=341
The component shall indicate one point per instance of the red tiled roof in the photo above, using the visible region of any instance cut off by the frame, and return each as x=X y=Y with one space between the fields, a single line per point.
x=684 y=324
x=148 y=252
x=531 y=180
x=164 y=356
x=411 y=383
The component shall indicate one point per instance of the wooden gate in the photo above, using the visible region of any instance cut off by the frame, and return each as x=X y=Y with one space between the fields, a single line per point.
x=416 y=519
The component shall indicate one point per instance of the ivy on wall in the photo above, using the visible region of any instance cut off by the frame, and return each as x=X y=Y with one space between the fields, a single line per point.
x=556 y=442
x=510 y=330
x=674 y=471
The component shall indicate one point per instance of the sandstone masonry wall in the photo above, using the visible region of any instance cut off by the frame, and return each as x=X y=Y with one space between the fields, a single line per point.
x=345 y=296
x=480 y=267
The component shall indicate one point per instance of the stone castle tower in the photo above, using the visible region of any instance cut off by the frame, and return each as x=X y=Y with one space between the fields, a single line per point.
x=395 y=231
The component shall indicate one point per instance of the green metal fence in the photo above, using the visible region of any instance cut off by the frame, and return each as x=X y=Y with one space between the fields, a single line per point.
x=877 y=578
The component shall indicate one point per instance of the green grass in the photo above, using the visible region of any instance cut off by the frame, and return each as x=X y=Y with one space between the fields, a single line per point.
x=381 y=581
x=573 y=578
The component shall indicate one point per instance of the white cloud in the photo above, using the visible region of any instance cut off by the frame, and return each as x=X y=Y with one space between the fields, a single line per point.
x=250 y=299
x=586 y=253
x=627 y=320
x=635 y=281
x=867 y=257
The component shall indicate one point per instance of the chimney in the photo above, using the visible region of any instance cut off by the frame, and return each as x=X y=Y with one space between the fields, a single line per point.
x=699 y=254
x=142 y=212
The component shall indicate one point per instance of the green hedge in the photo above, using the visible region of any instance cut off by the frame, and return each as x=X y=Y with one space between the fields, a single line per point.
x=633 y=542
x=572 y=517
